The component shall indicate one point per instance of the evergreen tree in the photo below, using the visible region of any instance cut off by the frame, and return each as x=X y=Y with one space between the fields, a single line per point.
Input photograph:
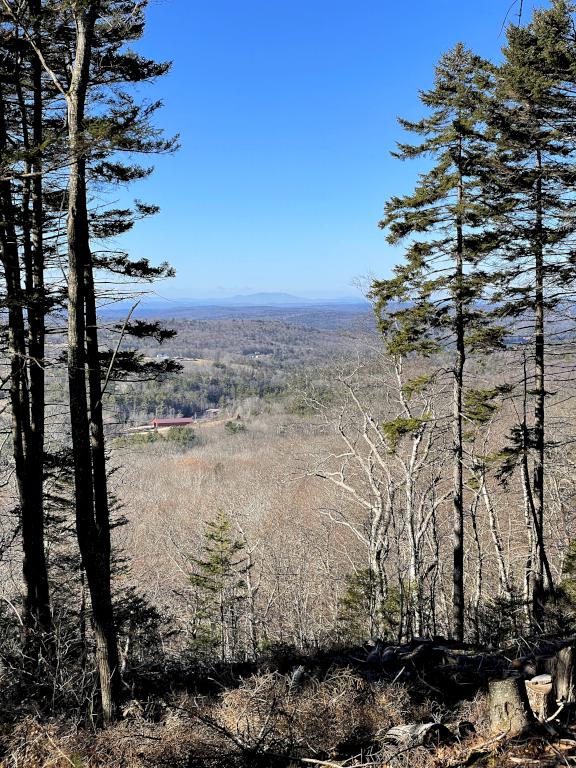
x=22 y=256
x=534 y=118
x=357 y=608
x=432 y=303
x=219 y=588
x=73 y=78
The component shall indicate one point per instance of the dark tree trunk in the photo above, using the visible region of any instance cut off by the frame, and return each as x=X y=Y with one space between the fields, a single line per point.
x=37 y=298
x=458 y=487
x=562 y=668
x=101 y=507
x=32 y=227
x=27 y=415
x=539 y=404
x=95 y=558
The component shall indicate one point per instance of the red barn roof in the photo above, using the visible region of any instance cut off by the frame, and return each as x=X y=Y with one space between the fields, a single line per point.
x=172 y=422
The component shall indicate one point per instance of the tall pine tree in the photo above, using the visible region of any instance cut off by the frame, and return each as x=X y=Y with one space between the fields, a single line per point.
x=432 y=303
x=534 y=119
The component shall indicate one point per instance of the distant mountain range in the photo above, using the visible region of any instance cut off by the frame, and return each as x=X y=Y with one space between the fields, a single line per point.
x=258 y=300
x=272 y=306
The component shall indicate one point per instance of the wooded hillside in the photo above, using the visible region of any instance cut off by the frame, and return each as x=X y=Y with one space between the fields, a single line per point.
x=357 y=544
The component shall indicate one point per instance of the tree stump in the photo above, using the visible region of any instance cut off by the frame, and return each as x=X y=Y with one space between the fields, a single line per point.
x=540 y=696
x=509 y=707
x=561 y=667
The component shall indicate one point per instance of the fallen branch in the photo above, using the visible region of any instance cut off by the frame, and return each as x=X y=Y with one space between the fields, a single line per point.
x=325 y=764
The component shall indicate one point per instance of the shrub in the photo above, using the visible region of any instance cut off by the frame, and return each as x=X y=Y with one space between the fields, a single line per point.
x=234 y=427
x=181 y=436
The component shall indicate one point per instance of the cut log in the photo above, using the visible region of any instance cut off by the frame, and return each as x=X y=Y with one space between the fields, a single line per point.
x=509 y=707
x=561 y=667
x=418 y=735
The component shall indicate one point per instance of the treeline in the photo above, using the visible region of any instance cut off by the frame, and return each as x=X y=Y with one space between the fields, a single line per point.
x=386 y=464
x=194 y=391
x=287 y=343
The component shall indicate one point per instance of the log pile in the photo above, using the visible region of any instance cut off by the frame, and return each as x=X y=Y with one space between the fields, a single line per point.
x=537 y=687
x=445 y=667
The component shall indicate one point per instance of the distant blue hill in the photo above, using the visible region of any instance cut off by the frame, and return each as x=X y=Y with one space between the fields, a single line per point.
x=264 y=300
x=165 y=306
x=269 y=306
x=261 y=299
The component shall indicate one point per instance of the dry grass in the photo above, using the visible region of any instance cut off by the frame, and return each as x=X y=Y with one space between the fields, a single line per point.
x=331 y=717
x=264 y=719
x=267 y=722
x=132 y=743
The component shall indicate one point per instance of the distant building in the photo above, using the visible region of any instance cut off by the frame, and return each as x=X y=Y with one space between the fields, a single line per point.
x=159 y=423
x=211 y=413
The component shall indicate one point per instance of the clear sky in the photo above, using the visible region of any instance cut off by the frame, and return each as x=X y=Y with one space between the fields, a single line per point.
x=287 y=114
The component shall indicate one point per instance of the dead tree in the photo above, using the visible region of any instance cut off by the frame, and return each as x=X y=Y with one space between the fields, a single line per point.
x=388 y=468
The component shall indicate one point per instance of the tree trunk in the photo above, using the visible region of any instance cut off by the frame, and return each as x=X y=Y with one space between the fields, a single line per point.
x=36 y=320
x=539 y=554
x=562 y=668
x=503 y=575
x=25 y=428
x=458 y=483
x=564 y=679
x=95 y=558
x=479 y=568
x=539 y=405
x=101 y=507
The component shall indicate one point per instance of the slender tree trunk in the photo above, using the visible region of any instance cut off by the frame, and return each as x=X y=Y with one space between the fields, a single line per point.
x=379 y=590
x=539 y=401
x=458 y=492
x=435 y=579
x=252 y=615
x=479 y=567
x=37 y=304
x=530 y=555
x=28 y=451
x=538 y=557
x=95 y=557
x=101 y=506
x=414 y=586
x=503 y=575
x=377 y=550
x=32 y=228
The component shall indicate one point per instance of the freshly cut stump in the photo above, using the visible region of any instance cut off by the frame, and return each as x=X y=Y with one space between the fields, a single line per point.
x=509 y=708
x=539 y=690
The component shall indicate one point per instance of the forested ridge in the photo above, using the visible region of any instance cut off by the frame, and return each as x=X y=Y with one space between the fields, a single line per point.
x=352 y=540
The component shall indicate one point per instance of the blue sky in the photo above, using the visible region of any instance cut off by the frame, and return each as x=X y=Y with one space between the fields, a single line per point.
x=287 y=114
